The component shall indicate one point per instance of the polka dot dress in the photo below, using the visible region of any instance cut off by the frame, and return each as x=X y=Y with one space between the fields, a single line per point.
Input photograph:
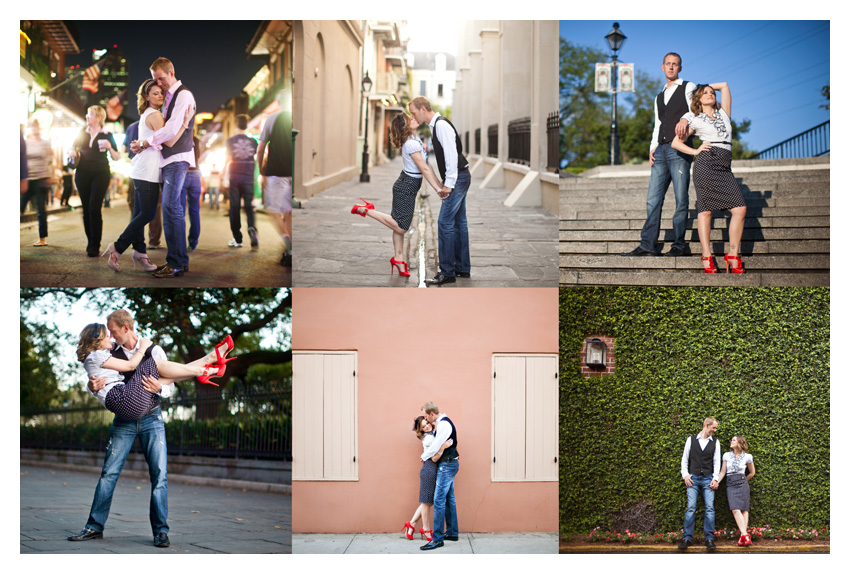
x=131 y=401
x=716 y=186
x=405 y=190
x=427 y=481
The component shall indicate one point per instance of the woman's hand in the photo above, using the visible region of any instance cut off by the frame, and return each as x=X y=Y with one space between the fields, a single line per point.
x=704 y=147
x=448 y=443
x=144 y=344
x=190 y=111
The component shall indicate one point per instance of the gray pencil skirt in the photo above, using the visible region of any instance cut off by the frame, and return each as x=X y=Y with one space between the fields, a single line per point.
x=738 y=492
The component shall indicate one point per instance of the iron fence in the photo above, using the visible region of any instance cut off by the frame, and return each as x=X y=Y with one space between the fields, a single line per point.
x=811 y=143
x=242 y=422
x=477 y=141
x=553 y=129
x=493 y=140
x=519 y=141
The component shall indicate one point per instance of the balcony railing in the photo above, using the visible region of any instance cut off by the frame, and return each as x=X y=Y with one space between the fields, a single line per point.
x=246 y=423
x=519 y=141
x=810 y=143
x=493 y=140
x=553 y=129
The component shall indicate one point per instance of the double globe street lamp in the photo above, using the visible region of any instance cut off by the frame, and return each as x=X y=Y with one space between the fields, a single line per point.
x=366 y=85
x=615 y=40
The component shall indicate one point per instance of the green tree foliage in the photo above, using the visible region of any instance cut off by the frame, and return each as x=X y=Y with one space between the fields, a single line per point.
x=824 y=91
x=757 y=359
x=39 y=387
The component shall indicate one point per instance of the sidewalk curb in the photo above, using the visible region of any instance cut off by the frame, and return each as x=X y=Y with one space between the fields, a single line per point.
x=269 y=488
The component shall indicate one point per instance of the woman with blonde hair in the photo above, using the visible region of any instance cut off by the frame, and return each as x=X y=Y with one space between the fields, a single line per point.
x=405 y=189
x=144 y=173
x=733 y=465
x=717 y=188
x=425 y=432
x=130 y=400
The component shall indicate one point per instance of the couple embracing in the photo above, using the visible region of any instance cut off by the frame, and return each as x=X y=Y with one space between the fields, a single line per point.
x=703 y=469
x=129 y=376
x=436 y=479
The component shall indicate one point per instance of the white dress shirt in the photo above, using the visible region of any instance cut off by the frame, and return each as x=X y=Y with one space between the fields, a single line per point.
x=703 y=442
x=446 y=135
x=444 y=431
x=668 y=92
x=183 y=100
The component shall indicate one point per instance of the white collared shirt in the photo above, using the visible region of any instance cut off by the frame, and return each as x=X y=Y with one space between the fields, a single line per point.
x=703 y=443
x=179 y=104
x=668 y=92
x=444 y=431
x=446 y=135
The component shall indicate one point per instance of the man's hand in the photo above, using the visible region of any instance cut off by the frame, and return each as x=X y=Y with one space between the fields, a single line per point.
x=651 y=157
x=151 y=384
x=444 y=192
x=688 y=481
x=714 y=484
x=136 y=147
x=25 y=185
x=682 y=128
x=96 y=383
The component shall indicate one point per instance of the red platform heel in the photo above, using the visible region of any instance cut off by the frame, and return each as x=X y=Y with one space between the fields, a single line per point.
x=712 y=268
x=365 y=207
x=401 y=265
x=228 y=342
x=739 y=268
x=426 y=534
x=205 y=378
x=408 y=530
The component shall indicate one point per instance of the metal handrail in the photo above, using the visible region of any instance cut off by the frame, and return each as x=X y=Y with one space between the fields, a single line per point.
x=813 y=142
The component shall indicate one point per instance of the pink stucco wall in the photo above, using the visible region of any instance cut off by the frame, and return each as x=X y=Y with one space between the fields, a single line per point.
x=416 y=345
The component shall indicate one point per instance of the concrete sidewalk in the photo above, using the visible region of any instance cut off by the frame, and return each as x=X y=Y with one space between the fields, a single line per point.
x=202 y=519
x=509 y=247
x=469 y=543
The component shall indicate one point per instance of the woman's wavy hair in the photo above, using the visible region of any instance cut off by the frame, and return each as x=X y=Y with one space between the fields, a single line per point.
x=417 y=427
x=90 y=339
x=696 y=107
x=400 y=130
x=742 y=442
x=144 y=91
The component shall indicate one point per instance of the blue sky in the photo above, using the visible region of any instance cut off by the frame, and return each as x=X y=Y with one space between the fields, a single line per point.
x=775 y=69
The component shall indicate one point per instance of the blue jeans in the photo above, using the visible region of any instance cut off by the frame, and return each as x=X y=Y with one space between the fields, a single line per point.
x=192 y=191
x=151 y=431
x=670 y=165
x=174 y=214
x=145 y=199
x=37 y=193
x=701 y=483
x=241 y=190
x=452 y=230
x=444 y=500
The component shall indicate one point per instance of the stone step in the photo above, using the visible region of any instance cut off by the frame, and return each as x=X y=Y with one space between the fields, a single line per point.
x=775 y=247
x=667 y=212
x=694 y=278
x=811 y=188
x=759 y=179
x=751 y=263
x=753 y=234
x=717 y=223
x=567 y=205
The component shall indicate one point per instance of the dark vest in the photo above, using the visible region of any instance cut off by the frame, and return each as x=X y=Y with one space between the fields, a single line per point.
x=185 y=142
x=451 y=452
x=670 y=113
x=279 y=162
x=701 y=462
x=438 y=150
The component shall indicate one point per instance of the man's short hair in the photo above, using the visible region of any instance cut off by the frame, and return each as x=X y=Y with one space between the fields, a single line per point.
x=163 y=64
x=120 y=317
x=664 y=59
x=430 y=407
x=242 y=121
x=708 y=421
x=420 y=102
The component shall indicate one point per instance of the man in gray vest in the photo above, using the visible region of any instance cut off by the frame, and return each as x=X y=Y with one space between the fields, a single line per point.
x=667 y=164
x=701 y=473
x=445 y=510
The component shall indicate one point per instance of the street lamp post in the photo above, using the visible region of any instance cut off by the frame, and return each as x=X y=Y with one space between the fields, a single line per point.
x=366 y=85
x=615 y=41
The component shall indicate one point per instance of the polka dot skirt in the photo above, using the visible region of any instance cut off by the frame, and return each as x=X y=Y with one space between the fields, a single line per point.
x=131 y=401
x=716 y=186
x=404 y=199
x=427 y=481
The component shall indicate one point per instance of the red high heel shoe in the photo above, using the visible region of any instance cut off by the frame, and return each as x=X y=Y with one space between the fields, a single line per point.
x=739 y=268
x=408 y=530
x=712 y=268
x=205 y=378
x=426 y=534
x=403 y=272
x=366 y=208
x=228 y=342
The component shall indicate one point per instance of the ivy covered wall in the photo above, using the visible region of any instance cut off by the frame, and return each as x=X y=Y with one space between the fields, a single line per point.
x=757 y=359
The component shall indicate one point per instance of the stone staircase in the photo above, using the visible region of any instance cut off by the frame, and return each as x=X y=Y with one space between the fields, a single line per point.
x=786 y=231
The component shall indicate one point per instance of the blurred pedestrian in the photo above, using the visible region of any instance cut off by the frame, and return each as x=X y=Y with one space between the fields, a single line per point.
x=67 y=184
x=176 y=161
x=25 y=174
x=276 y=169
x=213 y=182
x=193 y=192
x=93 y=177
x=239 y=171
x=40 y=170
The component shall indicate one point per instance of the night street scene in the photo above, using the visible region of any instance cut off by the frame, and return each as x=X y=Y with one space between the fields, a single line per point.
x=215 y=190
